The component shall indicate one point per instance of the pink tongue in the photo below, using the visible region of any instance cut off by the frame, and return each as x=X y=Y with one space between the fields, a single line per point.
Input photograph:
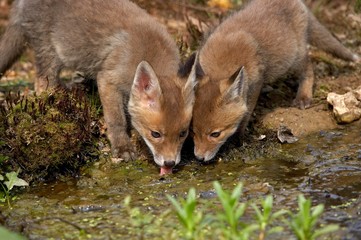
x=165 y=170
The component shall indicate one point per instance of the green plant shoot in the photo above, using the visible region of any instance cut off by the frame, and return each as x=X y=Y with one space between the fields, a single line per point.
x=233 y=211
x=265 y=217
x=186 y=213
x=304 y=222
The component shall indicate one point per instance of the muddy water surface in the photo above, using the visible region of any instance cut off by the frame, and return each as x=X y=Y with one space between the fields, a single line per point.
x=325 y=166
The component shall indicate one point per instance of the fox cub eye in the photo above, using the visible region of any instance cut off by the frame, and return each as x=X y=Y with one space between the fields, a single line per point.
x=183 y=133
x=155 y=134
x=215 y=134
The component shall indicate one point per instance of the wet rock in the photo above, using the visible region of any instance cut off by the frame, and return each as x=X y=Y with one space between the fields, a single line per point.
x=87 y=208
x=330 y=135
x=255 y=189
x=208 y=194
x=346 y=107
x=355 y=229
x=309 y=148
x=358 y=154
x=314 y=152
x=337 y=216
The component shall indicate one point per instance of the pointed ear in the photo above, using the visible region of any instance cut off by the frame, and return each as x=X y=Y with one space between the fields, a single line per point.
x=238 y=89
x=189 y=88
x=146 y=89
x=186 y=68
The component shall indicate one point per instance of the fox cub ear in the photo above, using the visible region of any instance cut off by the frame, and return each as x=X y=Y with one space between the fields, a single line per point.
x=238 y=89
x=191 y=62
x=186 y=67
x=146 y=89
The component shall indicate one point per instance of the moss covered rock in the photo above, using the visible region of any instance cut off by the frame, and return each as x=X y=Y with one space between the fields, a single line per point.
x=51 y=134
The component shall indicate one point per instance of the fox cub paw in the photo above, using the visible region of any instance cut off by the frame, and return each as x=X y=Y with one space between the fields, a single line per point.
x=302 y=102
x=122 y=154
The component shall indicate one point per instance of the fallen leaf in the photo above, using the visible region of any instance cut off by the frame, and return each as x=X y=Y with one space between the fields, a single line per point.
x=285 y=135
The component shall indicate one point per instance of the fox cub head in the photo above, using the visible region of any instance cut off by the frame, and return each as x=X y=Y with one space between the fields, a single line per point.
x=161 y=111
x=219 y=107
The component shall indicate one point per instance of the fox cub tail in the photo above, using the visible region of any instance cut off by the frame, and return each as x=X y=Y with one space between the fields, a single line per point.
x=323 y=39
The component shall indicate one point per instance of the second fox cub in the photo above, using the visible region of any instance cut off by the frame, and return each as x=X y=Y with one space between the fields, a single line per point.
x=132 y=57
x=262 y=42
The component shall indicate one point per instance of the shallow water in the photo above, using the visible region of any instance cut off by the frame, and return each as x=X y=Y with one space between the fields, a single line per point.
x=325 y=166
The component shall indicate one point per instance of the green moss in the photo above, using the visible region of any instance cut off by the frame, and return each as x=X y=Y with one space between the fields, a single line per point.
x=50 y=134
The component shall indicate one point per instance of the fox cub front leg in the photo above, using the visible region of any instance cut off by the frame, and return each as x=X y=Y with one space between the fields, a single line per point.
x=304 y=93
x=112 y=100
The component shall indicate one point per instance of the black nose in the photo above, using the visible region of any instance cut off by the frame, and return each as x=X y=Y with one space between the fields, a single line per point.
x=169 y=163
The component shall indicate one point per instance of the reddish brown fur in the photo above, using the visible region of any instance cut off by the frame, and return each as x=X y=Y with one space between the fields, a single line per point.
x=269 y=39
x=168 y=120
x=105 y=40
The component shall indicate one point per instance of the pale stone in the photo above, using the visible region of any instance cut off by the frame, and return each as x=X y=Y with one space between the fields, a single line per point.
x=346 y=107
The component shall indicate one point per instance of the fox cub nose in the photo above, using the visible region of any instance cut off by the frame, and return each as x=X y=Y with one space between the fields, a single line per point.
x=169 y=163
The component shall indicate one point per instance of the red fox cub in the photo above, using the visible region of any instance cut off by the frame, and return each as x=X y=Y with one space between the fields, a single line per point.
x=262 y=42
x=132 y=57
